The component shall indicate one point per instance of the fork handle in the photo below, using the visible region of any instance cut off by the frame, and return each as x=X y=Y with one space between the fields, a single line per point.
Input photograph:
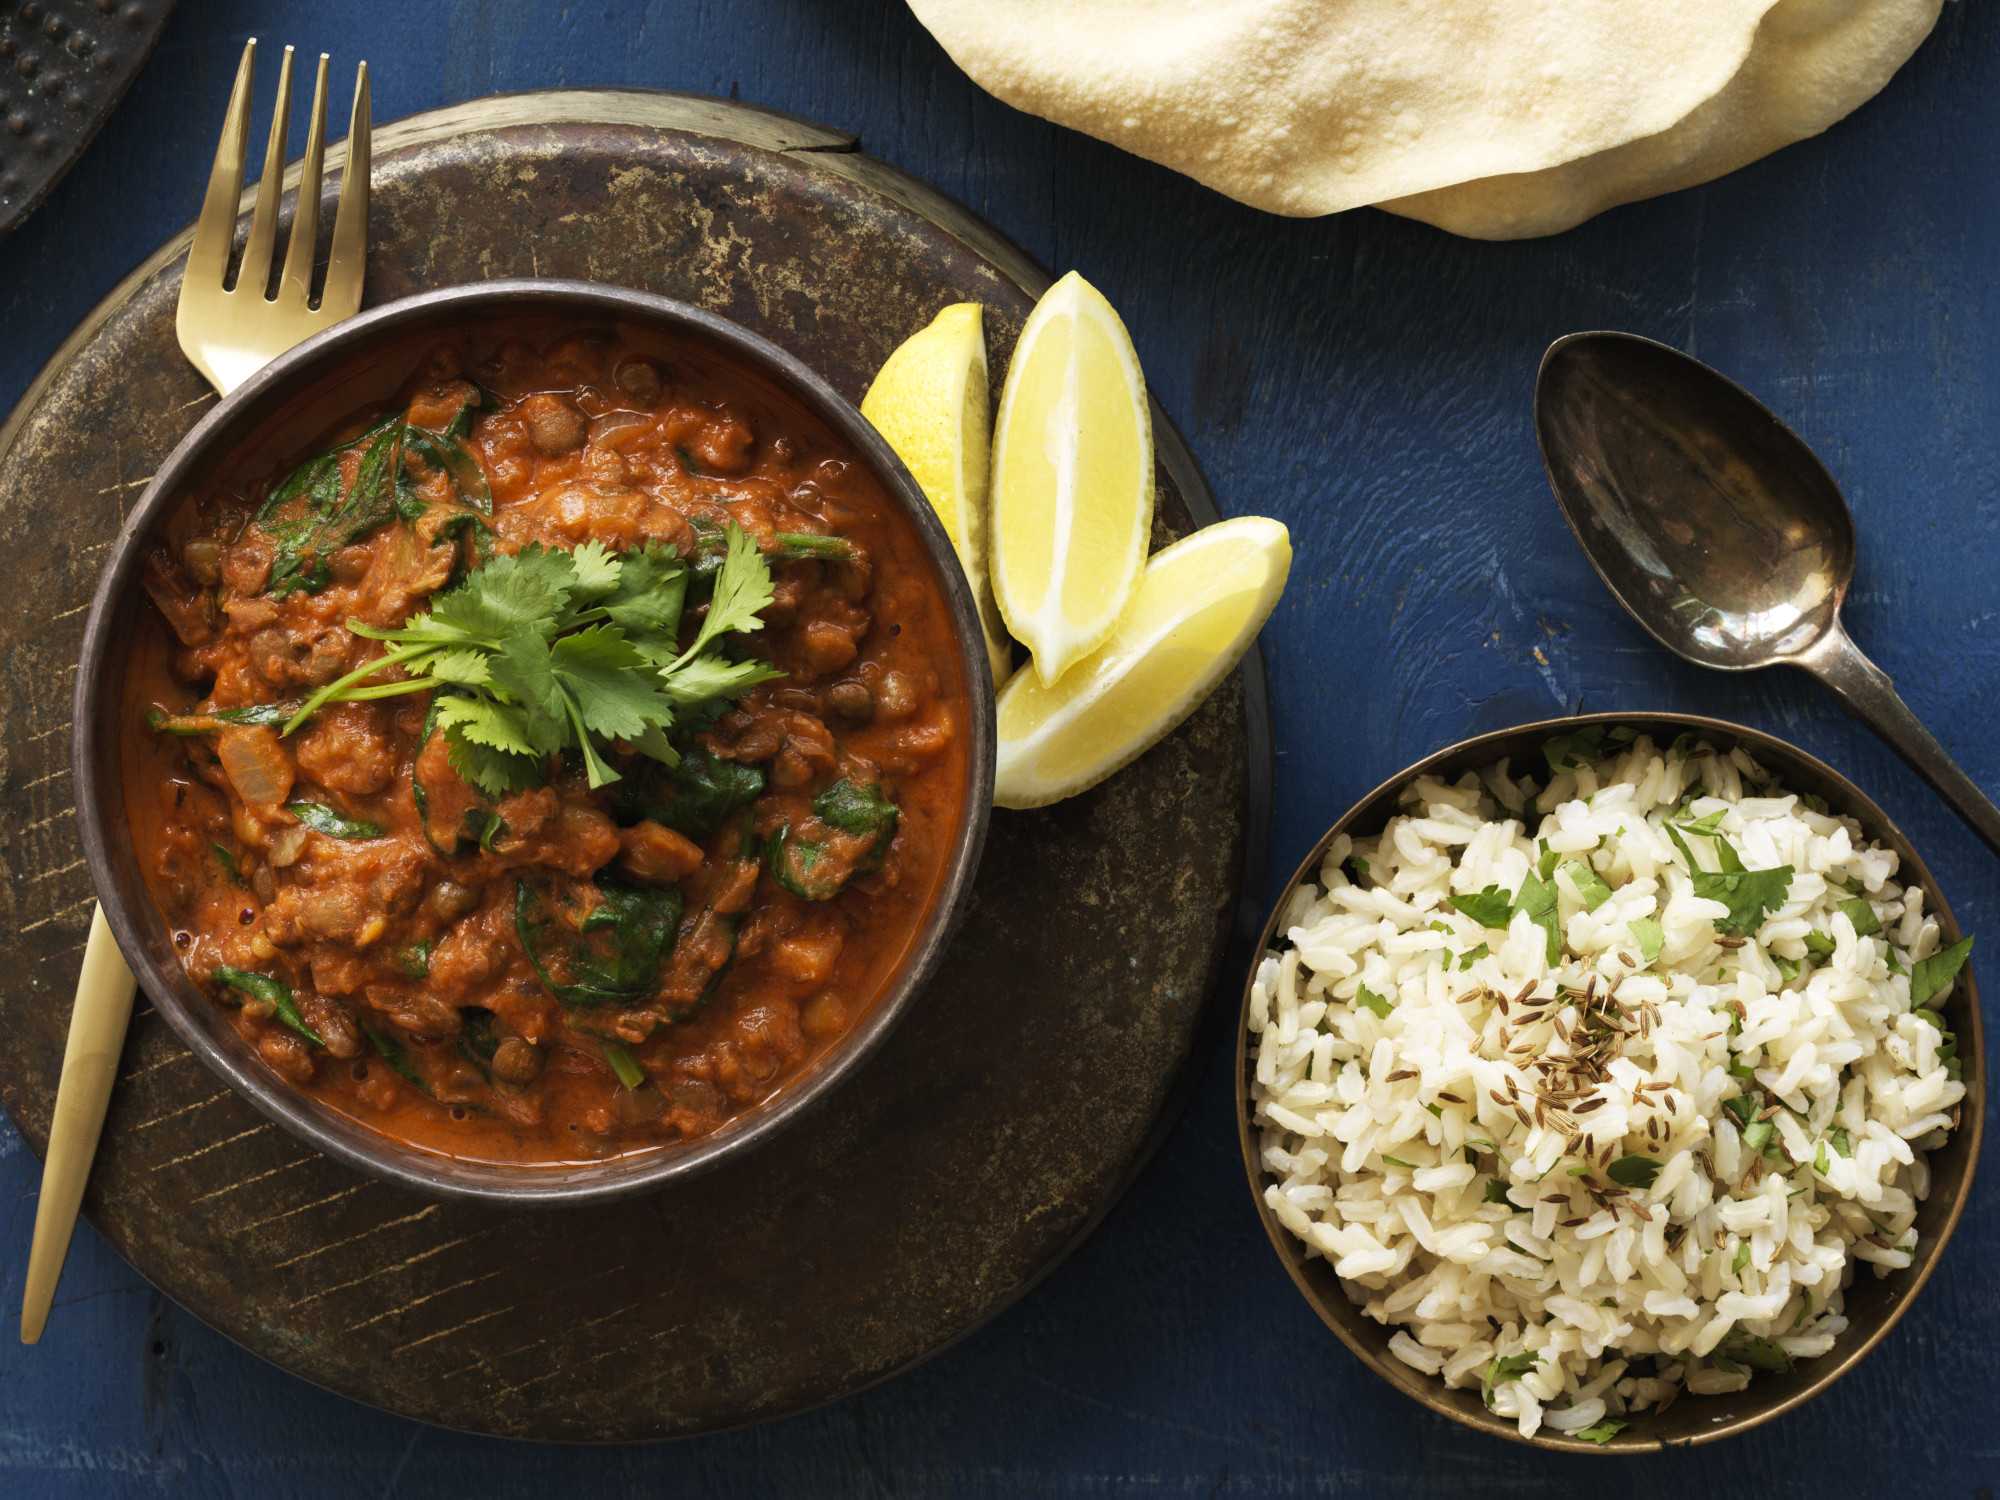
x=90 y=1065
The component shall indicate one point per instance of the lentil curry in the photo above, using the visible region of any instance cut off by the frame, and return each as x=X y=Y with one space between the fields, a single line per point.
x=698 y=860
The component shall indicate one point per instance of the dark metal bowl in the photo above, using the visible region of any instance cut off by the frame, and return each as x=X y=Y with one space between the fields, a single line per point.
x=334 y=369
x=1873 y=1304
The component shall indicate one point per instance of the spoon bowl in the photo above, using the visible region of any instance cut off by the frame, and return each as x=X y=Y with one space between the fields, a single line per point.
x=1718 y=529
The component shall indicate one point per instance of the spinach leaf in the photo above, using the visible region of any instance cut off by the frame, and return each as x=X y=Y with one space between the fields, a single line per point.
x=855 y=808
x=695 y=797
x=415 y=960
x=1490 y=907
x=322 y=819
x=796 y=864
x=393 y=1053
x=484 y=825
x=231 y=866
x=620 y=942
x=1931 y=978
x=478 y=1038
x=274 y=993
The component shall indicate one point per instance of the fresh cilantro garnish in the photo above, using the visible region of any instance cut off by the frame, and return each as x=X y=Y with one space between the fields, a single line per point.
x=1745 y=1106
x=1748 y=894
x=1538 y=899
x=1837 y=1137
x=1359 y=867
x=1649 y=935
x=1788 y=971
x=1862 y=916
x=1573 y=751
x=1819 y=945
x=1742 y=1258
x=1602 y=1432
x=1496 y=1192
x=1472 y=956
x=1758 y=1353
x=1489 y=908
x=1367 y=999
x=1759 y=1136
x=1505 y=1368
x=1633 y=1171
x=1708 y=824
x=545 y=651
x=1397 y=1161
x=1588 y=884
x=1932 y=977
x=1820 y=1163
x=1546 y=859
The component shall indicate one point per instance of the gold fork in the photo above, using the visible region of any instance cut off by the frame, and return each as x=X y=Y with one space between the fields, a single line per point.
x=229 y=331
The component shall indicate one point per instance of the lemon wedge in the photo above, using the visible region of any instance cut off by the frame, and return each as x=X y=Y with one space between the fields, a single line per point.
x=1072 y=478
x=1199 y=605
x=929 y=402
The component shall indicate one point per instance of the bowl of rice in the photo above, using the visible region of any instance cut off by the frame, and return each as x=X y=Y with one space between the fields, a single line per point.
x=1613 y=1082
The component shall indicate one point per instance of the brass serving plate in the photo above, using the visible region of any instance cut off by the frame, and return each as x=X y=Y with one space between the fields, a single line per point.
x=1873 y=1305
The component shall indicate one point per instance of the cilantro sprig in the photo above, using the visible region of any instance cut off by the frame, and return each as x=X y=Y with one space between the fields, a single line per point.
x=544 y=650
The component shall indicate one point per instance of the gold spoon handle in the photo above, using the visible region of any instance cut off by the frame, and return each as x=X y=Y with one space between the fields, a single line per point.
x=90 y=1065
x=1869 y=694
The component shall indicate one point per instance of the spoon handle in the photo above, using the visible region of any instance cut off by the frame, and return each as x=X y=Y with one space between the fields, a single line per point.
x=1867 y=691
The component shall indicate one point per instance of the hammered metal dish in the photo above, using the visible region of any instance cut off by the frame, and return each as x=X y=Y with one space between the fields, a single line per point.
x=1873 y=1305
x=64 y=65
x=324 y=376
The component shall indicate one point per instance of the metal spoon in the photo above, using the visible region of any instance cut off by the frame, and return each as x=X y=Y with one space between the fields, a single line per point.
x=1718 y=529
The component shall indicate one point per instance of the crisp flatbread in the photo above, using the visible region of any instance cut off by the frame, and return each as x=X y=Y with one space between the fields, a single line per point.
x=1315 y=106
x=1812 y=63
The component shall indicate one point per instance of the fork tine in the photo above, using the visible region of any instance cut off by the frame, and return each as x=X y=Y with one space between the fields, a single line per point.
x=347 y=265
x=304 y=244
x=256 y=270
x=215 y=230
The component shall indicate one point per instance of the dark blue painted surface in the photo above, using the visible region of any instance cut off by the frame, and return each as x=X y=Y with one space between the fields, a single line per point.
x=1365 y=379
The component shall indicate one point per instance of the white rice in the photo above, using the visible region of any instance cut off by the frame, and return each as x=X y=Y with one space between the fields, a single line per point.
x=1388 y=1138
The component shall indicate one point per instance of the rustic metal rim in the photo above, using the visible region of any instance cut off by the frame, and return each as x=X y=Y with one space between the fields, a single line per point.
x=1482 y=749
x=135 y=923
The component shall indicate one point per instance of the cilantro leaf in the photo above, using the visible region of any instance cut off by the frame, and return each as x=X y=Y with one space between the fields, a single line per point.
x=615 y=694
x=1489 y=908
x=1505 y=1368
x=1862 y=916
x=1819 y=945
x=742 y=590
x=1496 y=1192
x=1931 y=978
x=1367 y=999
x=1589 y=885
x=1602 y=1432
x=1633 y=1171
x=1749 y=894
x=1538 y=900
x=1650 y=937
x=712 y=676
x=1472 y=956
x=647 y=604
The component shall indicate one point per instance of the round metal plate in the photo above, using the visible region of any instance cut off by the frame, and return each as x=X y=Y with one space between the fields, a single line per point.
x=958 y=1166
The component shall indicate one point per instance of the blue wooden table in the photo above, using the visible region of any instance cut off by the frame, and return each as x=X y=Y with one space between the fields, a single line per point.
x=1365 y=379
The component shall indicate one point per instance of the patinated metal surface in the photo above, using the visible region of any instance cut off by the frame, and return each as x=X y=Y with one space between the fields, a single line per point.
x=64 y=64
x=985 y=1138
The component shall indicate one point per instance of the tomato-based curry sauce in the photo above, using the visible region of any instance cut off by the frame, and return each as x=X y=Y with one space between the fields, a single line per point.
x=556 y=971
